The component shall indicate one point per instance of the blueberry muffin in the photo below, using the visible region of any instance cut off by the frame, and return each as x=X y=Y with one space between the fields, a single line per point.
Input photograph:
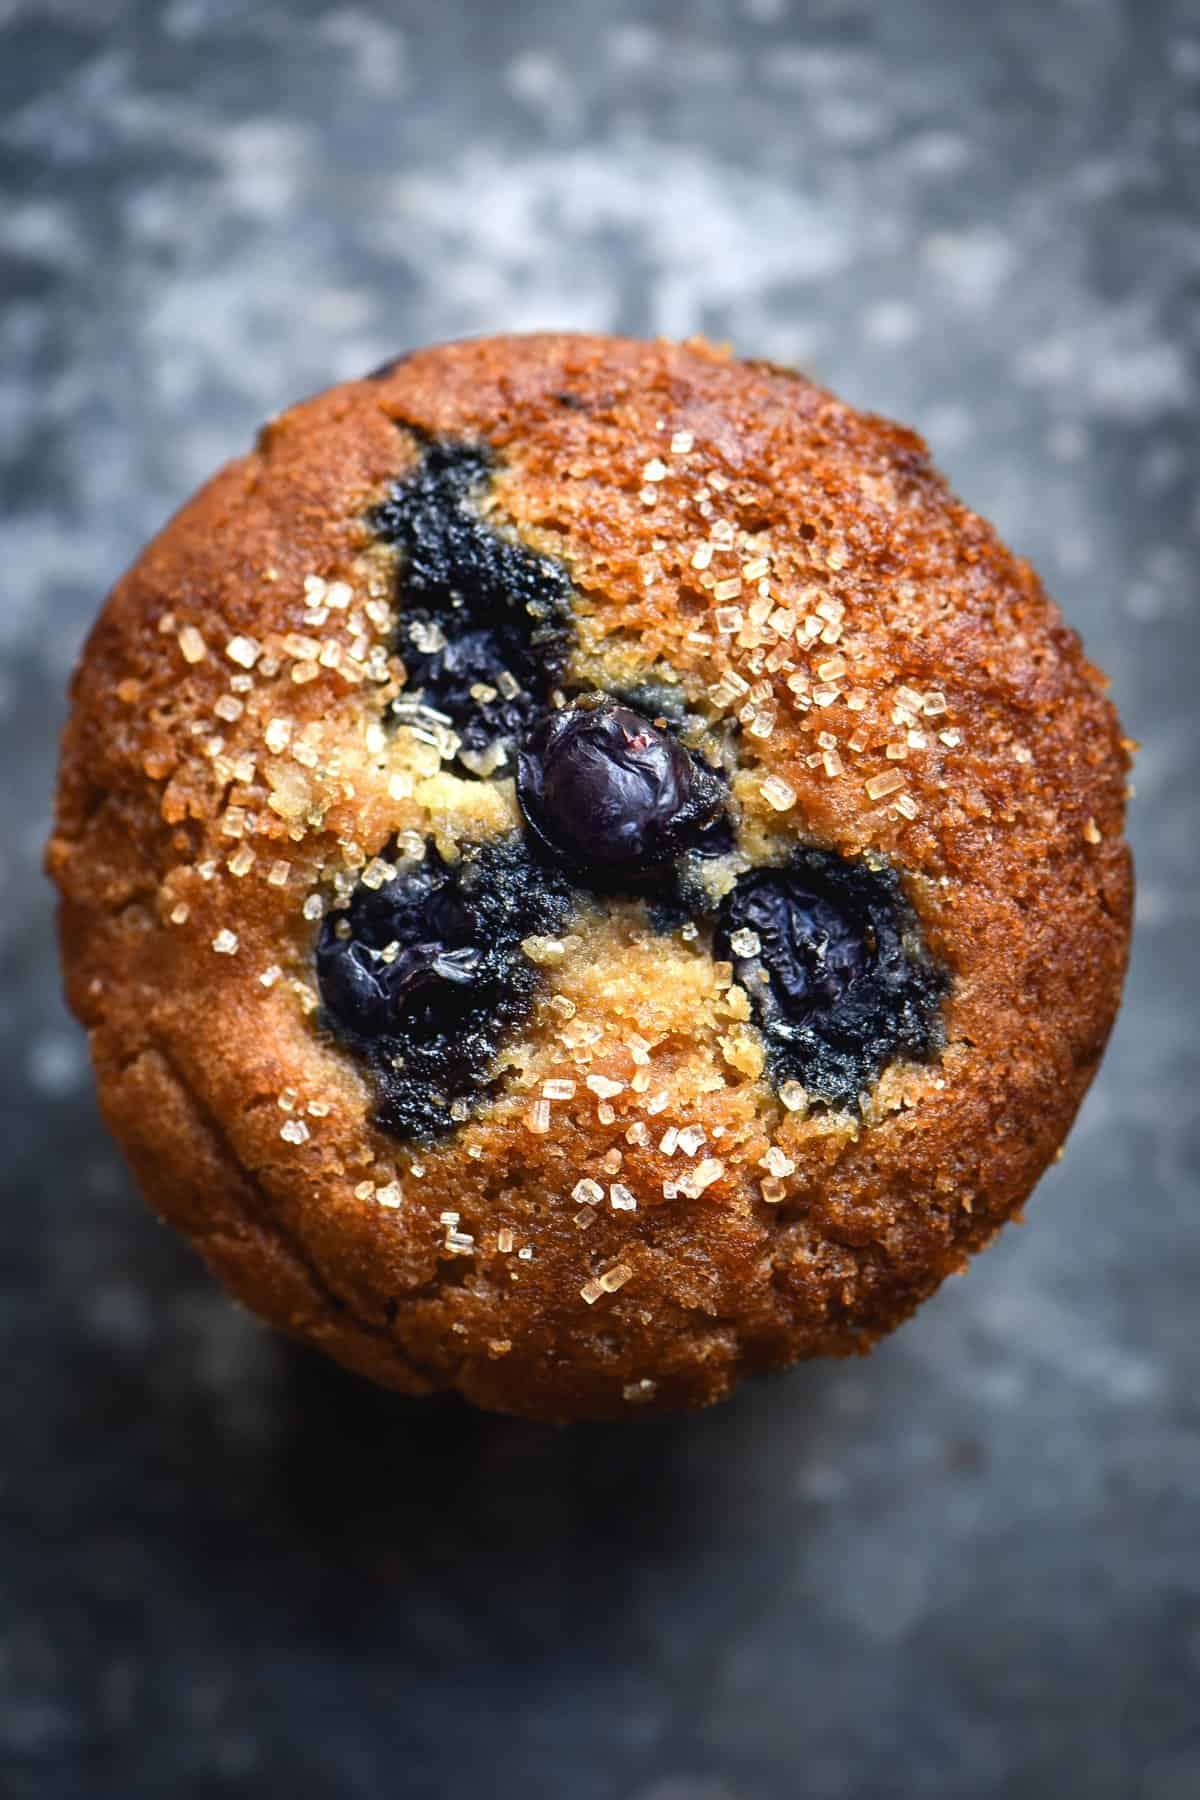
x=587 y=872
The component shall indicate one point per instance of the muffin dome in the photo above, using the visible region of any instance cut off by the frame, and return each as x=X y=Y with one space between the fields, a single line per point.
x=587 y=872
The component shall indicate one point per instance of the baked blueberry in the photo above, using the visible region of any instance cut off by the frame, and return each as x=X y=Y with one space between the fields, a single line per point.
x=610 y=793
x=424 y=975
x=369 y=991
x=832 y=958
x=486 y=621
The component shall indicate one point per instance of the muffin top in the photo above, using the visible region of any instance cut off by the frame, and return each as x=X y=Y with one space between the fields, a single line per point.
x=586 y=872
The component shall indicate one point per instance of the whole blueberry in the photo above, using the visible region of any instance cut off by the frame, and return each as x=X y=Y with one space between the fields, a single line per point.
x=609 y=792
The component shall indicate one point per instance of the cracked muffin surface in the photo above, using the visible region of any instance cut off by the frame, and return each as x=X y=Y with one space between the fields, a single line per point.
x=587 y=872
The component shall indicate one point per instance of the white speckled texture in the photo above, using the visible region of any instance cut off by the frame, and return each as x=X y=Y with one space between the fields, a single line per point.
x=966 y=1568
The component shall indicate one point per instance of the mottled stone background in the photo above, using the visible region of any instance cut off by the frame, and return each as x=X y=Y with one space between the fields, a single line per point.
x=967 y=1568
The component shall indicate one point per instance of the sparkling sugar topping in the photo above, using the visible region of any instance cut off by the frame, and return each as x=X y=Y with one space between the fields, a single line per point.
x=450 y=936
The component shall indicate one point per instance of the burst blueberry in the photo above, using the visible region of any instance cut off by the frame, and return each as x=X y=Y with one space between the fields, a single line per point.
x=831 y=955
x=424 y=977
x=486 y=621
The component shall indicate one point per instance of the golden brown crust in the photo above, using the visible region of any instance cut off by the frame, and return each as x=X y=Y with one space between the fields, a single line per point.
x=1009 y=837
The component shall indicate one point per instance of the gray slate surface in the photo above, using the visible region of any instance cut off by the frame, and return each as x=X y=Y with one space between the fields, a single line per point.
x=966 y=1568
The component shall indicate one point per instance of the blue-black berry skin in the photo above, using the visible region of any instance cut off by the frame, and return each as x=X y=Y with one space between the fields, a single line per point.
x=431 y=1016
x=479 y=611
x=610 y=793
x=849 y=985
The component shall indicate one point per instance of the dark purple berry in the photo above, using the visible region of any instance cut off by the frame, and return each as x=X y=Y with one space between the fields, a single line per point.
x=813 y=946
x=424 y=977
x=371 y=994
x=830 y=953
x=486 y=622
x=610 y=793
